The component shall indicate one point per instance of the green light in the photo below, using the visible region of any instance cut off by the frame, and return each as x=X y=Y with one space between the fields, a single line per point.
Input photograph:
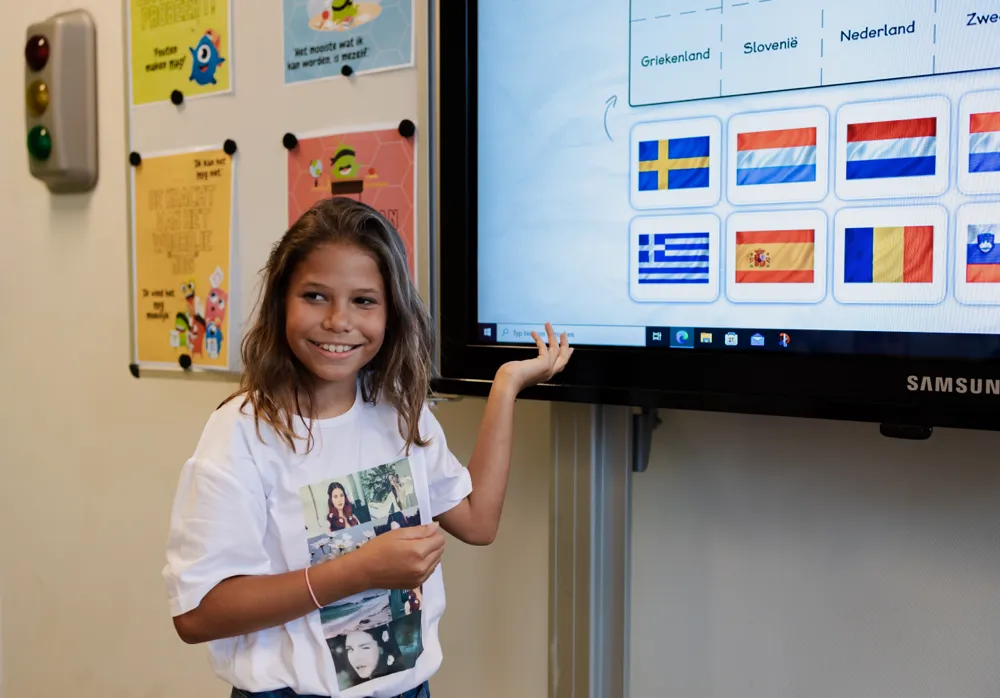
x=40 y=143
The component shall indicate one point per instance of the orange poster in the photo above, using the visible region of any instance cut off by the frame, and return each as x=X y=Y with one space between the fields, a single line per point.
x=375 y=167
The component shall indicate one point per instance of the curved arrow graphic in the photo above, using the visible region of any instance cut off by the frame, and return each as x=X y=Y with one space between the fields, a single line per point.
x=610 y=102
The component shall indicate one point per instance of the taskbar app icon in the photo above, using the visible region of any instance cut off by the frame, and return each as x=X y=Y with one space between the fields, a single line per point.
x=682 y=337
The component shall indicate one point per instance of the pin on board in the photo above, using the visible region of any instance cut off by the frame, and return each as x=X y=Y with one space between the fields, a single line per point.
x=60 y=81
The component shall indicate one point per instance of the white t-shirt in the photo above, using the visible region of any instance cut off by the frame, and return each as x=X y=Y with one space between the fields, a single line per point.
x=246 y=506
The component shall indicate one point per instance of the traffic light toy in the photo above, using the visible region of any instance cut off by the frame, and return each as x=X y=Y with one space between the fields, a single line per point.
x=60 y=81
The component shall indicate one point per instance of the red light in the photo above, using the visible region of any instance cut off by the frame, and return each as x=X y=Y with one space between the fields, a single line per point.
x=36 y=52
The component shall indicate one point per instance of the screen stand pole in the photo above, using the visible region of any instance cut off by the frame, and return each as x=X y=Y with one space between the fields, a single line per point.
x=592 y=448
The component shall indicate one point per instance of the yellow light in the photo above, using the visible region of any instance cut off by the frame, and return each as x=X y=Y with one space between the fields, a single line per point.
x=37 y=97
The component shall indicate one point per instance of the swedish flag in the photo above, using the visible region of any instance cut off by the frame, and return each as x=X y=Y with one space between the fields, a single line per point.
x=677 y=163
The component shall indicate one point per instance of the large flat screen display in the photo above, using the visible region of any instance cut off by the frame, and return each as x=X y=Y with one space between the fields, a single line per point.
x=762 y=174
x=767 y=200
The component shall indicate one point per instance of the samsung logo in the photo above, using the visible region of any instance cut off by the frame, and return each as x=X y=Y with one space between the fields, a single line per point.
x=947 y=384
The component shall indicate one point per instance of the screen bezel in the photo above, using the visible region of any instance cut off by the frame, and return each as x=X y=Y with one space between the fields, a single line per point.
x=847 y=387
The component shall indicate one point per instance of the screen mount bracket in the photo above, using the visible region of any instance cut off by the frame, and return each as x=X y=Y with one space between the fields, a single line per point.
x=909 y=432
x=644 y=423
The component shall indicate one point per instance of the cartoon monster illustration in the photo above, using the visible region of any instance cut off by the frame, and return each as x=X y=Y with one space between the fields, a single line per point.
x=179 y=335
x=339 y=14
x=344 y=164
x=187 y=290
x=216 y=310
x=213 y=340
x=206 y=59
x=344 y=173
x=344 y=11
x=196 y=336
x=215 y=314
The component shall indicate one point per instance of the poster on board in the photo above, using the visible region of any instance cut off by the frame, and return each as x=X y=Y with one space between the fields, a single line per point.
x=376 y=167
x=182 y=219
x=322 y=36
x=182 y=46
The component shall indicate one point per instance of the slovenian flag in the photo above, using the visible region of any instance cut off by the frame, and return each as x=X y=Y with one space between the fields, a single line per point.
x=785 y=156
x=676 y=163
x=982 y=261
x=775 y=256
x=887 y=149
x=984 y=142
x=673 y=258
x=903 y=254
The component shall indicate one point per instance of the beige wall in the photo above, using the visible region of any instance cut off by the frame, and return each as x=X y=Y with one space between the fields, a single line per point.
x=89 y=455
x=774 y=558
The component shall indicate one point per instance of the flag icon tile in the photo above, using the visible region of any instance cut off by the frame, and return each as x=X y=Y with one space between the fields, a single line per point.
x=977 y=254
x=674 y=258
x=778 y=157
x=893 y=148
x=890 y=255
x=676 y=164
x=776 y=257
x=979 y=143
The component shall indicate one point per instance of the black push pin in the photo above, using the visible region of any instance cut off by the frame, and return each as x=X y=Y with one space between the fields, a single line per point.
x=289 y=141
x=134 y=370
x=346 y=71
x=185 y=361
x=229 y=147
x=134 y=159
x=407 y=128
x=177 y=97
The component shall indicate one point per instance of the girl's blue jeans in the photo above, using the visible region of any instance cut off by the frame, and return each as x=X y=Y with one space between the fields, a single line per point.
x=423 y=691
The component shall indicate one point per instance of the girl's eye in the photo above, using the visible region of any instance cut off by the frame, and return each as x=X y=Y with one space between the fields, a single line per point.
x=313 y=296
x=366 y=301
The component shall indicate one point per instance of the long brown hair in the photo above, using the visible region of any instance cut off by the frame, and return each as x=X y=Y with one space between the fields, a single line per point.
x=348 y=507
x=276 y=383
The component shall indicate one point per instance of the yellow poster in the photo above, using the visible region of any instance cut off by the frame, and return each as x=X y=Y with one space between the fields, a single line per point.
x=181 y=236
x=179 y=45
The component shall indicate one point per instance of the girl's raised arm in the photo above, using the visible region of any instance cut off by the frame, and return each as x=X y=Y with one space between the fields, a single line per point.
x=476 y=519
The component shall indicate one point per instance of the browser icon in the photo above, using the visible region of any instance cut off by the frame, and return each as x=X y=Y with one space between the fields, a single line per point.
x=682 y=337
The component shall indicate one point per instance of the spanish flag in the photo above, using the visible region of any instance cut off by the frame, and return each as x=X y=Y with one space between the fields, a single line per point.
x=894 y=255
x=775 y=257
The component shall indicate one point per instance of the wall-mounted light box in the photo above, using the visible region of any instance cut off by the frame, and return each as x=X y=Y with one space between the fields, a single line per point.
x=60 y=82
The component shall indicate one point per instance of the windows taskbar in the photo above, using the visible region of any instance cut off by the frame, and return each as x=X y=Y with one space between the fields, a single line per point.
x=915 y=344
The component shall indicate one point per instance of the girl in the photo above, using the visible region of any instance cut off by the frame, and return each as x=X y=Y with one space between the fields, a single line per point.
x=341 y=512
x=336 y=375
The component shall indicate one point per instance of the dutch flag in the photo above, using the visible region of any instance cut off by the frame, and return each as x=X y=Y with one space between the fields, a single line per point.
x=786 y=156
x=984 y=142
x=888 y=149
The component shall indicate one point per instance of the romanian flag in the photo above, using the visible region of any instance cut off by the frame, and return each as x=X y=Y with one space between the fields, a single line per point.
x=984 y=142
x=677 y=163
x=896 y=255
x=982 y=260
x=775 y=257
x=776 y=157
x=888 y=149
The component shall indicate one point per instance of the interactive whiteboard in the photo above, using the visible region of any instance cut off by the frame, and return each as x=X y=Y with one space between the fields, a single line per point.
x=765 y=175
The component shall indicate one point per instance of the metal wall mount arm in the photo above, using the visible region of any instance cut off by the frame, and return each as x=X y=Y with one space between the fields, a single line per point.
x=644 y=423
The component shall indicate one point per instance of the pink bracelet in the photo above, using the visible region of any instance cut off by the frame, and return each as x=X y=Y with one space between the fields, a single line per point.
x=309 y=586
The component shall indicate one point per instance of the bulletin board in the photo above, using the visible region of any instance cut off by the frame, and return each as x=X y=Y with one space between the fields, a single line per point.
x=241 y=115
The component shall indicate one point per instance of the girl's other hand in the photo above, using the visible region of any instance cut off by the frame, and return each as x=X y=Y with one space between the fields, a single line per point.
x=551 y=359
x=402 y=558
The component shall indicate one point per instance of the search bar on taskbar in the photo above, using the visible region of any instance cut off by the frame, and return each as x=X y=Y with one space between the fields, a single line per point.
x=608 y=335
